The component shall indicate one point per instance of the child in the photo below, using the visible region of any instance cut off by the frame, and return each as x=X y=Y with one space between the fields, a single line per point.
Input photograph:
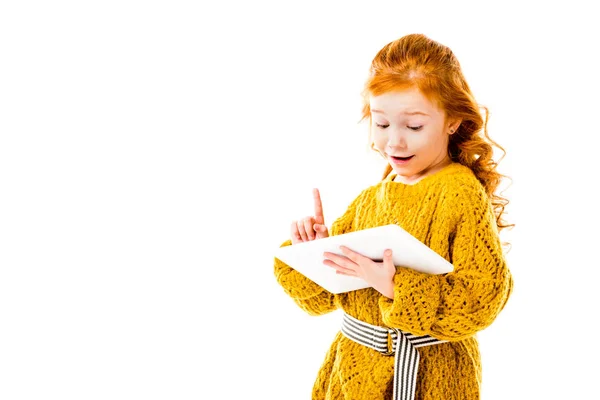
x=439 y=186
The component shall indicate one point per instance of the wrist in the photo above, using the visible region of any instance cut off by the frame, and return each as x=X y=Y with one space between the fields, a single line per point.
x=388 y=290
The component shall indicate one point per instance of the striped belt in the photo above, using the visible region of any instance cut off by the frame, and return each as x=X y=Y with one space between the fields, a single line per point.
x=406 y=361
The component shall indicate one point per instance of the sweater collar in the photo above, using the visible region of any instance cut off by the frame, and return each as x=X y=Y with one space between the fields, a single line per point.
x=436 y=175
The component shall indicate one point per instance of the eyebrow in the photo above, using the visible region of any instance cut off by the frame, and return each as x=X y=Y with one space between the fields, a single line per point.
x=404 y=112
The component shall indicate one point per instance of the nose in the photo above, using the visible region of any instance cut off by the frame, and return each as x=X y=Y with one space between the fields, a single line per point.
x=396 y=140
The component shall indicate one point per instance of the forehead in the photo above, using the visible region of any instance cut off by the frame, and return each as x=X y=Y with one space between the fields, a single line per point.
x=404 y=102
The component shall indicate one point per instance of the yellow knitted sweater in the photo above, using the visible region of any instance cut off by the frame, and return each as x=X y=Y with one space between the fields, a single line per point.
x=450 y=212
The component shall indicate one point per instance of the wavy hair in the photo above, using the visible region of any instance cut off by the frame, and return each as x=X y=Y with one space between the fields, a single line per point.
x=417 y=61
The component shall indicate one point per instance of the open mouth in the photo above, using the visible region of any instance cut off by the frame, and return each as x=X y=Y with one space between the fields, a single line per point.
x=401 y=160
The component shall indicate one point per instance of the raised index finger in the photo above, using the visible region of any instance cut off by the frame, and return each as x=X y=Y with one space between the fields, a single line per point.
x=318 y=207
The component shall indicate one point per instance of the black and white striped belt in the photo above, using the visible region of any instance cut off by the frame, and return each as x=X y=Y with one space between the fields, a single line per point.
x=385 y=340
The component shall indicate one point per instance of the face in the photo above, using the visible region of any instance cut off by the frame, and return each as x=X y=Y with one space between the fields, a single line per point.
x=407 y=125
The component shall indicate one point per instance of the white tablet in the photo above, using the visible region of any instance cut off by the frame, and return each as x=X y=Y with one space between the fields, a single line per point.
x=407 y=251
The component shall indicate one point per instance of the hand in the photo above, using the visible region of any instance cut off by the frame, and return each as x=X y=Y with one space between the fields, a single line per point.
x=380 y=275
x=310 y=228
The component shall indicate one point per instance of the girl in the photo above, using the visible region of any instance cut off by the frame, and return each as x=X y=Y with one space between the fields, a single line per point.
x=412 y=335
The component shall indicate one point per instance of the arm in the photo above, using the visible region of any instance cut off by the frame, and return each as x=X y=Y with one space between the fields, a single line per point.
x=309 y=296
x=455 y=305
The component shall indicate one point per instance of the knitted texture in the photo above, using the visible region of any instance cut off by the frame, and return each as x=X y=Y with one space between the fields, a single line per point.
x=450 y=212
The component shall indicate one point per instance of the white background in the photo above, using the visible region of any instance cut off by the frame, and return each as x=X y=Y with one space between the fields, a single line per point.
x=153 y=155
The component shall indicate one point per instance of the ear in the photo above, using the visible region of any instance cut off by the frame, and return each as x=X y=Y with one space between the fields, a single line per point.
x=453 y=126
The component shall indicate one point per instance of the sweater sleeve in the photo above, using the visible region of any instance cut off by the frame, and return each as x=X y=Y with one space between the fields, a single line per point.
x=455 y=305
x=308 y=295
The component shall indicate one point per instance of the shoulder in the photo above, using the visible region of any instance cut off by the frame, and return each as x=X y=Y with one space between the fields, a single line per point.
x=461 y=186
x=464 y=198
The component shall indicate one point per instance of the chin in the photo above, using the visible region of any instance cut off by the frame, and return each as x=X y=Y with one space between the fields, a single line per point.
x=405 y=169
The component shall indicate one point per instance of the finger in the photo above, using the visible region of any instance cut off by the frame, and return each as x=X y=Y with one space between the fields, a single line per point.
x=322 y=230
x=318 y=207
x=347 y=274
x=308 y=227
x=341 y=260
x=387 y=256
x=295 y=234
x=388 y=260
x=339 y=268
x=352 y=255
x=301 y=231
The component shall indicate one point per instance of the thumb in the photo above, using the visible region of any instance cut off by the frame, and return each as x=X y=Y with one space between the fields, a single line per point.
x=387 y=255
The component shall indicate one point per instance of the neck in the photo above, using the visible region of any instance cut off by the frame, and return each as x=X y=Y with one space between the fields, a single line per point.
x=426 y=172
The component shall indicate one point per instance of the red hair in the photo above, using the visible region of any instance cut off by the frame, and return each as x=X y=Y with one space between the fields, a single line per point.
x=417 y=61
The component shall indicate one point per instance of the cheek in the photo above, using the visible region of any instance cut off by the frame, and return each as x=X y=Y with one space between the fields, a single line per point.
x=425 y=142
x=379 y=141
x=417 y=143
x=433 y=147
x=435 y=142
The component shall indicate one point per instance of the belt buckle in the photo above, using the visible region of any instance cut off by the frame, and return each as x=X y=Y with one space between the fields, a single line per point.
x=390 y=343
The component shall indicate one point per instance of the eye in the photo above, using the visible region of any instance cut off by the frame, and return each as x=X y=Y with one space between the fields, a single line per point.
x=414 y=128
